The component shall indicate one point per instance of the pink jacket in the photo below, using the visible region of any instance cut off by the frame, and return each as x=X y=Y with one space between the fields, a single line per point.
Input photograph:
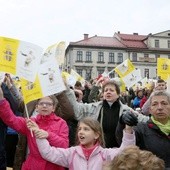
x=56 y=127
x=74 y=159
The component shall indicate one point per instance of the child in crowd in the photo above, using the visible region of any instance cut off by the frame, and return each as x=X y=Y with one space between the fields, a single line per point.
x=132 y=158
x=89 y=153
x=54 y=129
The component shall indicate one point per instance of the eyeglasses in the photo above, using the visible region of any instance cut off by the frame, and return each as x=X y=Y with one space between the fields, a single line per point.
x=48 y=104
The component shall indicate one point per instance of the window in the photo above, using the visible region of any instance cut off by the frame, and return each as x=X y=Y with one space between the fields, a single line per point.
x=134 y=56
x=146 y=72
x=88 y=74
x=146 y=57
x=100 y=71
x=168 y=43
x=157 y=56
x=120 y=58
x=156 y=43
x=88 y=56
x=111 y=58
x=79 y=56
x=80 y=71
x=112 y=74
x=100 y=57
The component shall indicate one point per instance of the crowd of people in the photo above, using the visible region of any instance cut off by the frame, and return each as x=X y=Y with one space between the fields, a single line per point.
x=95 y=126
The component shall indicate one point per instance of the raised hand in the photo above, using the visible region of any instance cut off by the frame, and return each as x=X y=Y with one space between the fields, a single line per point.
x=129 y=118
x=8 y=80
x=1 y=93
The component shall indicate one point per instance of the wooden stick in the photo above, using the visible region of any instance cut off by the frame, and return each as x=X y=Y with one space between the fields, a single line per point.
x=26 y=110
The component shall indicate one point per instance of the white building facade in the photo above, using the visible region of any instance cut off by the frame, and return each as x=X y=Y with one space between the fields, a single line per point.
x=94 y=55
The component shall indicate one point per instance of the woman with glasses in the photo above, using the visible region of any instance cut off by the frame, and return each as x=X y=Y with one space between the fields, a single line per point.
x=54 y=128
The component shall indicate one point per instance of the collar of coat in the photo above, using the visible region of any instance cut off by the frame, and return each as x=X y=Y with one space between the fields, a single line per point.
x=151 y=125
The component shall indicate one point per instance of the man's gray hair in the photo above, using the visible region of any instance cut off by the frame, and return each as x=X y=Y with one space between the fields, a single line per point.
x=159 y=93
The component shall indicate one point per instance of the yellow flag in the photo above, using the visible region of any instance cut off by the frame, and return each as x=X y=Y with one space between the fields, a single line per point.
x=59 y=51
x=163 y=68
x=65 y=75
x=31 y=90
x=122 y=86
x=124 y=68
x=70 y=80
x=8 y=54
x=77 y=76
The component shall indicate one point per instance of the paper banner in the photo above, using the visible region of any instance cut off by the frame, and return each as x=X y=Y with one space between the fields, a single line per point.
x=31 y=90
x=77 y=77
x=124 y=68
x=70 y=80
x=19 y=58
x=48 y=82
x=50 y=78
x=144 y=82
x=58 y=50
x=132 y=78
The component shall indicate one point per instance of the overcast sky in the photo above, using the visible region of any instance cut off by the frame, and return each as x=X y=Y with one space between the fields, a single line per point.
x=45 y=22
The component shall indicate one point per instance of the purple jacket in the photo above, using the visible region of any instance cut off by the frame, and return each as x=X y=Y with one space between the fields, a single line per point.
x=74 y=159
x=56 y=127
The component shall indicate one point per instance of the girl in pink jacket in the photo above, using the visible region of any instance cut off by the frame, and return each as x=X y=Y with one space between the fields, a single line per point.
x=53 y=128
x=89 y=154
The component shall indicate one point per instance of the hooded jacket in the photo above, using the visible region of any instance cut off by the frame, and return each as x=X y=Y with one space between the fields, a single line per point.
x=74 y=158
x=57 y=130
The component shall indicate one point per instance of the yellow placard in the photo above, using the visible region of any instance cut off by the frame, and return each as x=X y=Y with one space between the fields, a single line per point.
x=122 y=86
x=124 y=68
x=163 y=68
x=31 y=90
x=8 y=54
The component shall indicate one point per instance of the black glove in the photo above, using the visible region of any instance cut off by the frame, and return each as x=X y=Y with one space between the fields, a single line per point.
x=128 y=118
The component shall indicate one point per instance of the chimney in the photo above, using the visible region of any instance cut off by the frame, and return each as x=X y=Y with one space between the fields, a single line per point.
x=135 y=33
x=86 y=36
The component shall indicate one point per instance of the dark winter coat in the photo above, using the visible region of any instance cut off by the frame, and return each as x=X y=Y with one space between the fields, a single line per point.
x=150 y=137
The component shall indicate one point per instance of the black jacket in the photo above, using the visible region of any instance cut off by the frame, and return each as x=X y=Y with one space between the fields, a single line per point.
x=150 y=137
x=3 y=128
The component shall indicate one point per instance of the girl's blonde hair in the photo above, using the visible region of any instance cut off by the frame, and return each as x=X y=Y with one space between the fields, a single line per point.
x=95 y=126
